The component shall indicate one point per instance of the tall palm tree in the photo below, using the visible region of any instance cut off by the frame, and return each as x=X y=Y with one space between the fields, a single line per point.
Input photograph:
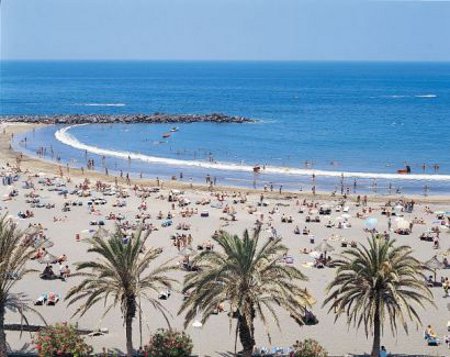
x=119 y=275
x=377 y=283
x=247 y=275
x=13 y=259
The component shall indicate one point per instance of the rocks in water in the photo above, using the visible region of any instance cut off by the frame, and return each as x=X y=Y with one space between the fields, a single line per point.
x=156 y=118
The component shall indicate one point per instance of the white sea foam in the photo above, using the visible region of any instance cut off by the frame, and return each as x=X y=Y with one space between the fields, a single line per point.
x=66 y=138
x=103 y=104
x=426 y=96
x=397 y=96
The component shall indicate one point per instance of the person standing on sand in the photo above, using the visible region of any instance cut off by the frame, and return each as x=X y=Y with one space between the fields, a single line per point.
x=281 y=188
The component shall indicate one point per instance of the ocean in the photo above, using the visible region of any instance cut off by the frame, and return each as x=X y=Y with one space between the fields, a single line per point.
x=353 y=124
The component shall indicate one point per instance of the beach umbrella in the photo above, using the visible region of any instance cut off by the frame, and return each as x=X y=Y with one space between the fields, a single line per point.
x=310 y=299
x=345 y=216
x=43 y=243
x=32 y=230
x=313 y=211
x=187 y=252
x=371 y=223
x=101 y=233
x=402 y=224
x=314 y=254
x=47 y=259
x=324 y=246
x=434 y=264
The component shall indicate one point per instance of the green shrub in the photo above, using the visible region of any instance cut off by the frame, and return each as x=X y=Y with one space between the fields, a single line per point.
x=169 y=343
x=60 y=340
x=309 y=348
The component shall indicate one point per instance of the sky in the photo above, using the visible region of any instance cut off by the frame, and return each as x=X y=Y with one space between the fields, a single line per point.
x=326 y=30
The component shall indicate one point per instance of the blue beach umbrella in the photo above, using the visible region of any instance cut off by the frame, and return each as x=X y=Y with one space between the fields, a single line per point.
x=371 y=223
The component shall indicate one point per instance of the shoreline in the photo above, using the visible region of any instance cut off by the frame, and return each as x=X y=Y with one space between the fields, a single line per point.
x=36 y=164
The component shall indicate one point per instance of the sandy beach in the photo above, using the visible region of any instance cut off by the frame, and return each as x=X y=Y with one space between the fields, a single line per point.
x=345 y=224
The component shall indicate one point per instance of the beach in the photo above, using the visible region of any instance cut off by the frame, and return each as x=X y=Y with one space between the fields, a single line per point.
x=214 y=338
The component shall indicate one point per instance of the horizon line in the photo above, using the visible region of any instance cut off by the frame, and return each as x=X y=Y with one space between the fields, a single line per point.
x=221 y=60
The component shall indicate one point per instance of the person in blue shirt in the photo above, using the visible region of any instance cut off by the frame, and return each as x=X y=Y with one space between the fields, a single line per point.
x=383 y=352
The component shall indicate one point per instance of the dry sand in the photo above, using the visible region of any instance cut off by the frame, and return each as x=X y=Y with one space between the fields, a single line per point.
x=215 y=338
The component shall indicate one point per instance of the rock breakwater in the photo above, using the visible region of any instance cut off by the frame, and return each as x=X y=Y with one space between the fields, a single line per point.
x=156 y=118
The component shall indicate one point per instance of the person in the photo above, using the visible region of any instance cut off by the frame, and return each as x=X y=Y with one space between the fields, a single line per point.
x=48 y=272
x=446 y=286
x=429 y=333
x=383 y=352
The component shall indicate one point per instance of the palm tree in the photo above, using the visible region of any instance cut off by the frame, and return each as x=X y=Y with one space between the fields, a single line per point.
x=118 y=275
x=375 y=283
x=247 y=275
x=13 y=259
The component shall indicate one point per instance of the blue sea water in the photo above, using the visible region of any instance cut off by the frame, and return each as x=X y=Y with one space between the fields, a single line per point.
x=337 y=117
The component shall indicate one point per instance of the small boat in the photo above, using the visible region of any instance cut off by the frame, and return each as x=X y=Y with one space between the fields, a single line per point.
x=166 y=135
x=174 y=129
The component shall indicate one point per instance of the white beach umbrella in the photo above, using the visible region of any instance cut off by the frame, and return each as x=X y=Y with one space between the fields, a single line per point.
x=314 y=254
x=403 y=224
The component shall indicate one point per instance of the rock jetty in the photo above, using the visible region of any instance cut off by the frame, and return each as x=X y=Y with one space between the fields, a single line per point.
x=156 y=118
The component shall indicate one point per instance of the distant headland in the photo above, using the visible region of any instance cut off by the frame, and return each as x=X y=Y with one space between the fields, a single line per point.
x=156 y=118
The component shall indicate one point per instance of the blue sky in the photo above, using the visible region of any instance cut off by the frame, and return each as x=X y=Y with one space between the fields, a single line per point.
x=399 y=30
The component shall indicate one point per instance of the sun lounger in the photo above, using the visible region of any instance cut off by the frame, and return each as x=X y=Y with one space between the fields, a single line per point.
x=41 y=300
x=166 y=223
x=100 y=332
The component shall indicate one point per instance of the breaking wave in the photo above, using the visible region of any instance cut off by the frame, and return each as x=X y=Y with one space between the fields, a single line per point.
x=66 y=138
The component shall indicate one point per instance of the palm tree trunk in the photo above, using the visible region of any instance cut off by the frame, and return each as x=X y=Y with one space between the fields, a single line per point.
x=129 y=334
x=376 y=332
x=235 y=339
x=246 y=336
x=130 y=313
x=3 y=349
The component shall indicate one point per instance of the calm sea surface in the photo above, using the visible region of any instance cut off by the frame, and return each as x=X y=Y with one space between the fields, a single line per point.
x=354 y=118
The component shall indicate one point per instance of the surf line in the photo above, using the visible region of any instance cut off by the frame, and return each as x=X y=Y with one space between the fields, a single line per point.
x=63 y=136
